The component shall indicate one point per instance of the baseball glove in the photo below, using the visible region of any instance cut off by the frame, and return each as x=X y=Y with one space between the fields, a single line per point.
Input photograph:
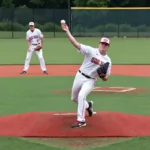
x=102 y=70
x=37 y=48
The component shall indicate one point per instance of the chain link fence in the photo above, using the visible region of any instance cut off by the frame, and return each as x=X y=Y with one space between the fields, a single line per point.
x=14 y=22
x=84 y=23
x=111 y=23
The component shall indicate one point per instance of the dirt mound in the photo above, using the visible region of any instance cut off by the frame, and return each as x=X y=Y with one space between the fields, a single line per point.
x=48 y=124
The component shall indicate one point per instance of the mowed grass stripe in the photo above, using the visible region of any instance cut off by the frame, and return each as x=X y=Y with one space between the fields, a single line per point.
x=60 y=51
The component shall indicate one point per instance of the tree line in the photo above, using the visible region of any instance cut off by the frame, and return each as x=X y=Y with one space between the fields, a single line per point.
x=62 y=4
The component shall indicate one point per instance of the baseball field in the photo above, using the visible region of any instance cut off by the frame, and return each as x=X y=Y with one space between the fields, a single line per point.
x=34 y=105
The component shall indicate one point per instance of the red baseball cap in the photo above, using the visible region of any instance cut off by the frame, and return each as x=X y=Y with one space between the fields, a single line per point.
x=105 y=40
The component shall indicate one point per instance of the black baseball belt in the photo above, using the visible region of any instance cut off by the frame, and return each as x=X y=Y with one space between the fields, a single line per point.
x=85 y=75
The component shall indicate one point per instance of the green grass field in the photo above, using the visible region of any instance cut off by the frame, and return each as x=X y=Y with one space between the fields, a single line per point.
x=60 y=51
x=28 y=94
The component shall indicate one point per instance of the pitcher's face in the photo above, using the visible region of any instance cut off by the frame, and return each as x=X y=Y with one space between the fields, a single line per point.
x=103 y=47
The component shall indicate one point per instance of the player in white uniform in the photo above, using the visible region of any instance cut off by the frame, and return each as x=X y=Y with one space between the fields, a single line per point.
x=34 y=38
x=87 y=75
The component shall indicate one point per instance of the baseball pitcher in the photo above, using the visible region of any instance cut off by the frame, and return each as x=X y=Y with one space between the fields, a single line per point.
x=35 y=42
x=96 y=64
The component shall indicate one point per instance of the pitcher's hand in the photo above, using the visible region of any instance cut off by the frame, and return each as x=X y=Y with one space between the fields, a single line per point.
x=65 y=27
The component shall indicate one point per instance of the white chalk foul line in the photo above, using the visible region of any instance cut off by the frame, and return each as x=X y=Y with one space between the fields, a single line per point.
x=121 y=89
x=129 y=89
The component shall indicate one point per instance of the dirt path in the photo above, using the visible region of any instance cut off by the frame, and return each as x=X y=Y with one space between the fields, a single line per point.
x=70 y=70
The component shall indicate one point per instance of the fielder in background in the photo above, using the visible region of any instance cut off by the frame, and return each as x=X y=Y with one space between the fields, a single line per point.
x=35 y=43
x=96 y=64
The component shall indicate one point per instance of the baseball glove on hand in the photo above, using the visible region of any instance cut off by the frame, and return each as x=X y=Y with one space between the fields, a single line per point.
x=102 y=70
x=37 y=48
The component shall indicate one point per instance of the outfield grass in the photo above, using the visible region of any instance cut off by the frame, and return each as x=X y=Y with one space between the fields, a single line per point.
x=60 y=51
x=29 y=94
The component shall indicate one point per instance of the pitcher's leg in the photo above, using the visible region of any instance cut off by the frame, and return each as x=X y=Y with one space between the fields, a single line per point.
x=77 y=84
x=82 y=103
x=41 y=59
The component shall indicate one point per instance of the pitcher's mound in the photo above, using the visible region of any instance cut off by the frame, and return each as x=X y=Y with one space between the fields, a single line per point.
x=46 y=124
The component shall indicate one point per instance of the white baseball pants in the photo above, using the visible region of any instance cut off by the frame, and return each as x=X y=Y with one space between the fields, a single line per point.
x=82 y=86
x=40 y=57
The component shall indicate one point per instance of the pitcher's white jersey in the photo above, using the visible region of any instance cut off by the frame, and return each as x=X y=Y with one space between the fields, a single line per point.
x=35 y=36
x=92 y=60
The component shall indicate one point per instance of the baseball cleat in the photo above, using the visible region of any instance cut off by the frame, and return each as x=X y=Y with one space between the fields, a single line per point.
x=23 y=72
x=45 y=72
x=79 y=124
x=90 y=109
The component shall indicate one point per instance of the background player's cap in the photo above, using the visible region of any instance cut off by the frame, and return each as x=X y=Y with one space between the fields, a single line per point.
x=105 y=40
x=31 y=23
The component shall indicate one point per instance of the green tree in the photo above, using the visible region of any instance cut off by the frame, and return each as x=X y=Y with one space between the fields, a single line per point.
x=129 y=3
x=38 y=2
x=81 y=3
x=119 y=3
x=7 y=3
x=111 y=3
x=91 y=3
x=137 y=3
x=50 y=3
x=98 y=3
x=76 y=3
x=21 y=3
x=148 y=3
